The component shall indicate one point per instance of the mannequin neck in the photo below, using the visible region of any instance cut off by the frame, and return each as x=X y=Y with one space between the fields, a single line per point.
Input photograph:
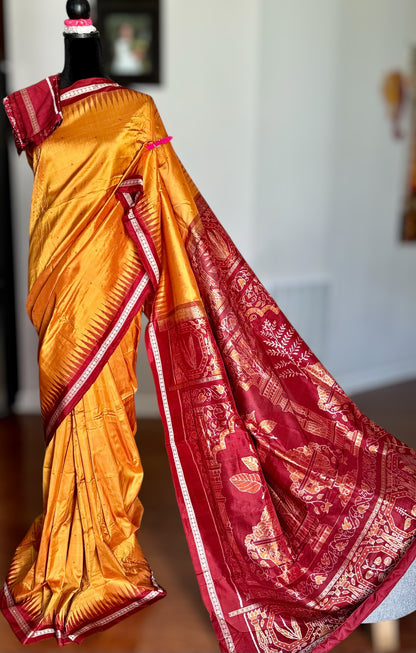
x=83 y=59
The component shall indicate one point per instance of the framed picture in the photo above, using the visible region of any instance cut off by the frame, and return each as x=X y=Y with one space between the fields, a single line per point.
x=130 y=35
x=408 y=223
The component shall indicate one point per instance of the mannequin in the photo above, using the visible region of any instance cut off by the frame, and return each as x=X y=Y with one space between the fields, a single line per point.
x=83 y=51
x=255 y=426
x=83 y=59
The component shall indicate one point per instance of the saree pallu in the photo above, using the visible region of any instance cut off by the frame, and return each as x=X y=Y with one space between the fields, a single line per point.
x=300 y=513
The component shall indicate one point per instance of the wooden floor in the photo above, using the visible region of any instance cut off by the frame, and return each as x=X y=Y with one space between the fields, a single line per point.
x=179 y=623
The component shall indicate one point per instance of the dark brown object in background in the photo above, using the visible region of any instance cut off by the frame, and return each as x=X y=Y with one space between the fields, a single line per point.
x=8 y=350
x=409 y=221
x=408 y=218
x=130 y=8
x=2 y=53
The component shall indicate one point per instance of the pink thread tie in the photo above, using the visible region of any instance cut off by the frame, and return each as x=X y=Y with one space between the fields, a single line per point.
x=78 y=22
x=151 y=146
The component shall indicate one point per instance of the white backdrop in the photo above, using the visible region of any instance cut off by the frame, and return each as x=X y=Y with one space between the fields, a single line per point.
x=276 y=111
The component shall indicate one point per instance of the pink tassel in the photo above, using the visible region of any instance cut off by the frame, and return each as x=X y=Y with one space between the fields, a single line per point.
x=151 y=146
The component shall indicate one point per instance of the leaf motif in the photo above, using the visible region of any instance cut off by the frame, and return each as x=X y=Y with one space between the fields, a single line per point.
x=296 y=629
x=288 y=632
x=251 y=462
x=250 y=483
x=267 y=425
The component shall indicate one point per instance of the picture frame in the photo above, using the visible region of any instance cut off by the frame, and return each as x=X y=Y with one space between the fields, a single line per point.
x=130 y=34
x=408 y=219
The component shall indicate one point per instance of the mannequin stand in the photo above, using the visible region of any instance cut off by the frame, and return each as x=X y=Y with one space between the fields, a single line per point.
x=385 y=636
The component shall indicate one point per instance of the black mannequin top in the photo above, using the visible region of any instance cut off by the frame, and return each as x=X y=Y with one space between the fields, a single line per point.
x=77 y=9
x=83 y=52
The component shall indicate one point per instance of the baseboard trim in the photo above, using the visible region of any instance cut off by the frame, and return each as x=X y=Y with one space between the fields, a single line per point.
x=380 y=377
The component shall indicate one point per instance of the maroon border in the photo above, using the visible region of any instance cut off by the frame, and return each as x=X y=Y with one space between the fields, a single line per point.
x=65 y=638
x=51 y=423
x=132 y=233
x=88 y=81
x=370 y=603
x=51 y=426
x=124 y=193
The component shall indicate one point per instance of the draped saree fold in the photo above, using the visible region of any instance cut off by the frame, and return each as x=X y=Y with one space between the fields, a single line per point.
x=300 y=512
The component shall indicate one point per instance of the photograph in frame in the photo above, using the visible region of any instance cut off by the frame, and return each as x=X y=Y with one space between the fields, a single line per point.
x=130 y=36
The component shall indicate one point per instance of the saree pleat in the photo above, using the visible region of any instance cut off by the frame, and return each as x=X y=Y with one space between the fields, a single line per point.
x=81 y=562
x=300 y=513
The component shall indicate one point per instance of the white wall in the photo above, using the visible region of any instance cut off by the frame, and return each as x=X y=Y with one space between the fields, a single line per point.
x=275 y=109
x=26 y=30
x=374 y=293
x=330 y=178
x=207 y=104
x=294 y=135
x=206 y=100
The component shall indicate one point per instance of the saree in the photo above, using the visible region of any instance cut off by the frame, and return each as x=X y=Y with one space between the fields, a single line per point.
x=300 y=512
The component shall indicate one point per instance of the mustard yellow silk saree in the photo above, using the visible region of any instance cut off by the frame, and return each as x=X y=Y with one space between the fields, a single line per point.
x=81 y=563
x=300 y=512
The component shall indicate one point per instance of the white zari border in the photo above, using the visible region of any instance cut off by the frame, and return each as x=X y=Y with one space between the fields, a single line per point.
x=187 y=500
x=100 y=353
x=115 y=615
x=67 y=95
x=15 y=612
x=145 y=245
x=59 y=113
x=34 y=634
